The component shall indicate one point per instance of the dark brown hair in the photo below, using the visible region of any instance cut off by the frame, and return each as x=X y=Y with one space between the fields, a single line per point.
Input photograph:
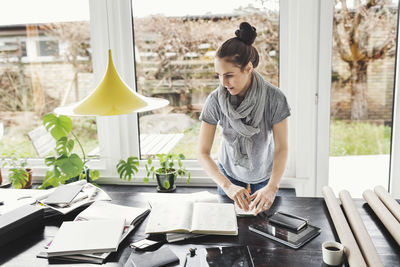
x=239 y=49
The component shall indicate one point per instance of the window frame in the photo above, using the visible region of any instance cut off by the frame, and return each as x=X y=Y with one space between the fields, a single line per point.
x=119 y=15
x=118 y=135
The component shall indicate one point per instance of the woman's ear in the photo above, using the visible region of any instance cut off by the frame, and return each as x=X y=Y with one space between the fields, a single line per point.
x=249 y=67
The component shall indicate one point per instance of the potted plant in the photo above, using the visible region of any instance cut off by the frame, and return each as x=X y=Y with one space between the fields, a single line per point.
x=127 y=169
x=170 y=168
x=66 y=165
x=18 y=174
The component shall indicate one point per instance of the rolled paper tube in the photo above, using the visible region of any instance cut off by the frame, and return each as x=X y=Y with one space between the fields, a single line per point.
x=351 y=250
x=388 y=200
x=386 y=217
x=359 y=230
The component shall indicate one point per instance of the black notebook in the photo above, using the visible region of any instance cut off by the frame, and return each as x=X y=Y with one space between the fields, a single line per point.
x=288 y=221
x=293 y=239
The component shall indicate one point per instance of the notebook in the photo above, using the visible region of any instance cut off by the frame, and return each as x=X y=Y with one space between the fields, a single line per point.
x=284 y=235
x=106 y=210
x=286 y=220
x=64 y=194
x=79 y=237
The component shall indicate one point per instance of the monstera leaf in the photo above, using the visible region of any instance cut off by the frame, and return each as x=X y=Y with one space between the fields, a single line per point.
x=127 y=169
x=64 y=145
x=58 y=126
x=71 y=165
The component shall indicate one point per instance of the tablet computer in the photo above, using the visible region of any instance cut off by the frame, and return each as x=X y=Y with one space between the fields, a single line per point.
x=285 y=236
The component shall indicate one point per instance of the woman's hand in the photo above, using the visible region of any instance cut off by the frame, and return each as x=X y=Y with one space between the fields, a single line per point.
x=239 y=195
x=263 y=198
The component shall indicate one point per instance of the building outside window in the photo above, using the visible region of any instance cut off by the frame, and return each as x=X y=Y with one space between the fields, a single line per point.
x=45 y=62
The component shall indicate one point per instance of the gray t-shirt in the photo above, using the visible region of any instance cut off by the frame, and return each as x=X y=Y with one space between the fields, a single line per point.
x=276 y=109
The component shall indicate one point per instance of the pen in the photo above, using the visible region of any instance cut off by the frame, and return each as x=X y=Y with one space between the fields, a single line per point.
x=293 y=216
x=184 y=263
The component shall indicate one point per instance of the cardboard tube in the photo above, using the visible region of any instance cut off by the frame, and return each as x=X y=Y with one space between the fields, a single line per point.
x=390 y=222
x=351 y=248
x=360 y=231
x=388 y=200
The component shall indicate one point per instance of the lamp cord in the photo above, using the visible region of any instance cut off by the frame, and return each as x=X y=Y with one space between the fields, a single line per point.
x=108 y=26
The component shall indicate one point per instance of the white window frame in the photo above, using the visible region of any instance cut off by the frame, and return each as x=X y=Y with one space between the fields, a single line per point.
x=118 y=135
x=305 y=76
x=394 y=184
x=305 y=49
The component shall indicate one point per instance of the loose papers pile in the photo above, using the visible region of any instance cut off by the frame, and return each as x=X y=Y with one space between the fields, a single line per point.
x=85 y=238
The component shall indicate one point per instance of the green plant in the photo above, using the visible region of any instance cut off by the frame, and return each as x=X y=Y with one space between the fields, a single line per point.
x=66 y=164
x=169 y=164
x=127 y=169
x=18 y=174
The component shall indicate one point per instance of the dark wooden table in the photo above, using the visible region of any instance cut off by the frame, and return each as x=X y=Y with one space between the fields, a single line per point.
x=22 y=252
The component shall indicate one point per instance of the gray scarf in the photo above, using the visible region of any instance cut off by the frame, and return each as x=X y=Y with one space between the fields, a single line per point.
x=244 y=119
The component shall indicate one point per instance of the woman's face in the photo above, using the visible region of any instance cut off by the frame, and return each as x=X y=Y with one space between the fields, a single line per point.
x=232 y=78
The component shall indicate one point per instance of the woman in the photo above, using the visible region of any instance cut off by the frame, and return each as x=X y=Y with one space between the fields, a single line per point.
x=253 y=116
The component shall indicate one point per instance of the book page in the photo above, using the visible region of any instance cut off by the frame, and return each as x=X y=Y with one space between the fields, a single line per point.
x=214 y=218
x=169 y=216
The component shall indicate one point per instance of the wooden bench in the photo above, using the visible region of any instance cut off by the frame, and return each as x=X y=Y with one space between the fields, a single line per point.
x=42 y=141
x=152 y=144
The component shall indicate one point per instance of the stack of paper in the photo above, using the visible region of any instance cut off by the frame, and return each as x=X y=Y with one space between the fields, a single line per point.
x=86 y=237
x=97 y=214
x=57 y=203
x=87 y=194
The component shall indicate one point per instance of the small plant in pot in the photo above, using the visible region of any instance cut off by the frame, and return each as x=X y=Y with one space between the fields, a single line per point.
x=18 y=174
x=170 y=168
x=66 y=165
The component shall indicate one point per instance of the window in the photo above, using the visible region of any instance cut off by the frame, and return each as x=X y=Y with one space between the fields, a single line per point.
x=175 y=48
x=363 y=72
x=48 y=48
x=31 y=87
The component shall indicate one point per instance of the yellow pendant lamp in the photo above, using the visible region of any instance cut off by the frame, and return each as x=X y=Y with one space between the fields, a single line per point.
x=112 y=97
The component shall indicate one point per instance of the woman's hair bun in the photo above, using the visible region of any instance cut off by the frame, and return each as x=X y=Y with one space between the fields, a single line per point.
x=246 y=33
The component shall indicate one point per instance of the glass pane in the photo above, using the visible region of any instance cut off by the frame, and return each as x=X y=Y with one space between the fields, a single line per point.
x=363 y=66
x=175 y=48
x=45 y=62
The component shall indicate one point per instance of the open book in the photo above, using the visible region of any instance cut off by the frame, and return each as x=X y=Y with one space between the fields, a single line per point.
x=192 y=217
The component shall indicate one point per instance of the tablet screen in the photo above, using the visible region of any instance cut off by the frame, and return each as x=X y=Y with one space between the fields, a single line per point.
x=290 y=238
